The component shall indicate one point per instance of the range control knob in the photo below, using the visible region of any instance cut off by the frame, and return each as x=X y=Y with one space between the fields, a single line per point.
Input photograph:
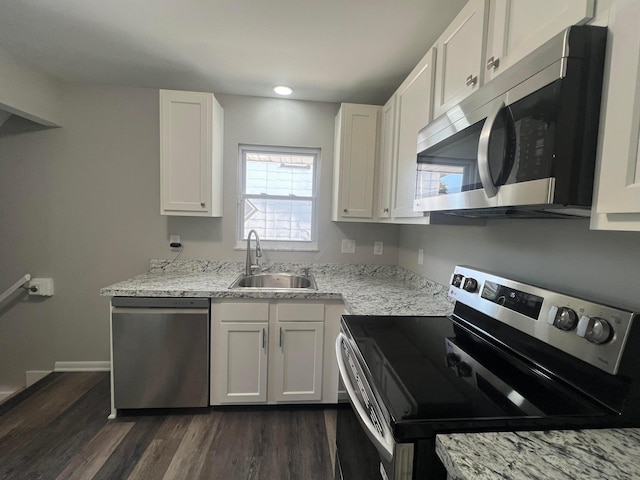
x=457 y=280
x=463 y=370
x=470 y=285
x=563 y=318
x=453 y=360
x=595 y=329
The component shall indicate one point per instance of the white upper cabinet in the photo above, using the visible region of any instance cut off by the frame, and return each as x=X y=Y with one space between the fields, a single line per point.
x=617 y=187
x=517 y=27
x=387 y=154
x=355 y=158
x=191 y=133
x=461 y=53
x=414 y=102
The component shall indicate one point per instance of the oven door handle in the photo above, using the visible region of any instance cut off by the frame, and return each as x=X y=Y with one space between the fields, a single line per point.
x=383 y=442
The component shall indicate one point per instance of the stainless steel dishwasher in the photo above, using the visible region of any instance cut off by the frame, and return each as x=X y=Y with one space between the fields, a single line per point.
x=160 y=352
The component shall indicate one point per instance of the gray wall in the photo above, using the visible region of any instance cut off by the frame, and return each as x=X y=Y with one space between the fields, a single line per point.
x=81 y=204
x=561 y=254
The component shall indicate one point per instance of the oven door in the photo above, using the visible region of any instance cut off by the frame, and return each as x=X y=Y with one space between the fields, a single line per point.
x=365 y=447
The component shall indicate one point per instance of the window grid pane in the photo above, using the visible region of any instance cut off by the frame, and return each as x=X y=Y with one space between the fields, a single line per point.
x=269 y=174
x=282 y=220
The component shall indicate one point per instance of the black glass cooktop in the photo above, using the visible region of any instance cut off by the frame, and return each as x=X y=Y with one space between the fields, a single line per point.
x=432 y=371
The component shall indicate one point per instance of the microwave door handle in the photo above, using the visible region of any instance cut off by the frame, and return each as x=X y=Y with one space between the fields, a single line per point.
x=383 y=443
x=490 y=188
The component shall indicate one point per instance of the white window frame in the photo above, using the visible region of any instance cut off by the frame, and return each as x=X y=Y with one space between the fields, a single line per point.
x=277 y=245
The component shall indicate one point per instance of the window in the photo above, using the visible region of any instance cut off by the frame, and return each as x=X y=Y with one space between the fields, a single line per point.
x=278 y=196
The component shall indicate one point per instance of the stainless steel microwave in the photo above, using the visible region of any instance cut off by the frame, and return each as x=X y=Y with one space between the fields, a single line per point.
x=524 y=144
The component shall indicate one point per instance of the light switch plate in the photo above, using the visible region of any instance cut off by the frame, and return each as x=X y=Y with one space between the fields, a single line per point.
x=348 y=246
x=377 y=248
x=420 y=256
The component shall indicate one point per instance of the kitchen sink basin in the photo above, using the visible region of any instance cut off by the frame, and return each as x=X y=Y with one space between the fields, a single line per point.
x=275 y=281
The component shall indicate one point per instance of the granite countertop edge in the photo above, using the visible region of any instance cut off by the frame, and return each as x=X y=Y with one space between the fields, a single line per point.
x=364 y=289
x=593 y=454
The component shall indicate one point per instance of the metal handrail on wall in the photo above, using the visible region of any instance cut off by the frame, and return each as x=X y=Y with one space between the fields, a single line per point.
x=19 y=284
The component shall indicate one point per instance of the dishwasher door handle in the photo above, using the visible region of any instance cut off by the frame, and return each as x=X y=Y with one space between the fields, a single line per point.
x=159 y=311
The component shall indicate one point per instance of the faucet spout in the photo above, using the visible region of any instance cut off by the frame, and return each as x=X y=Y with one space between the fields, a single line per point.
x=250 y=267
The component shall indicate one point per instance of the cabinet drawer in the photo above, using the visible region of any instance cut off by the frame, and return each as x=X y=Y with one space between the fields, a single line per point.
x=300 y=312
x=243 y=312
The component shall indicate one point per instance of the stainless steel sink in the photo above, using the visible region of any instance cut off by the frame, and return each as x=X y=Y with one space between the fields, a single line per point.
x=275 y=281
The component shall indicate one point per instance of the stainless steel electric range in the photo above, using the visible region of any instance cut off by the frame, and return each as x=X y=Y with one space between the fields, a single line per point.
x=511 y=357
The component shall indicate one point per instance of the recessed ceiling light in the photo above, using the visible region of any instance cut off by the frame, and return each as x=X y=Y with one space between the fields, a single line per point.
x=283 y=90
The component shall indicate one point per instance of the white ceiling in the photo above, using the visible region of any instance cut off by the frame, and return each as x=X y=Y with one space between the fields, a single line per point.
x=327 y=50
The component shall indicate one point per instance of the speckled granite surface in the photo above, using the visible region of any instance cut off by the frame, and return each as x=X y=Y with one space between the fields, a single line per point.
x=611 y=454
x=365 y=289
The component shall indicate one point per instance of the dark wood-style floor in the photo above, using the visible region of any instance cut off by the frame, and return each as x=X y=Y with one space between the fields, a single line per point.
x=58 y=429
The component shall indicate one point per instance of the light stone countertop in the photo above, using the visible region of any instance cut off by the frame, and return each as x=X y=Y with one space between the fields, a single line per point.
x=365 y=289
x=610 y=454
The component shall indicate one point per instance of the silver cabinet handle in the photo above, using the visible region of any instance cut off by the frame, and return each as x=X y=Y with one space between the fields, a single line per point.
x=264 y=339
x=472 y=80
x=493 y=63
x=280 y=341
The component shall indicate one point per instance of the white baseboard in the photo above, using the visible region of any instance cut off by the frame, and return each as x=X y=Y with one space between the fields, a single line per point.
x=6 y=394
x=32 y=376
x=82 y=366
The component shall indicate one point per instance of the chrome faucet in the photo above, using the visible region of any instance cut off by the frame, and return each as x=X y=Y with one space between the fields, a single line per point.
x=253 y=268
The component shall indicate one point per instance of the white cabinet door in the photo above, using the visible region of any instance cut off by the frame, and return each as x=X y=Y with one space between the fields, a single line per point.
x=414 y=112
x=460 y=62
x=297 y=360
x=242 y=362
x=516 y=27
x=191 y=126
x=354 y=162
x=617 y=187
x=387 y=154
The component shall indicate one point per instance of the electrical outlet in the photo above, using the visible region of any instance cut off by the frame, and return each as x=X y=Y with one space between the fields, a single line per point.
x=348 y=246
x=174 y=240
x=420 y=256
x=41 y=286
x=377 y=248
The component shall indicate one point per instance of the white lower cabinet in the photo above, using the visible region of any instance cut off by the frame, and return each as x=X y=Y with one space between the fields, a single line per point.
x=297 y=362
x=273 y=351
x=243 y=353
